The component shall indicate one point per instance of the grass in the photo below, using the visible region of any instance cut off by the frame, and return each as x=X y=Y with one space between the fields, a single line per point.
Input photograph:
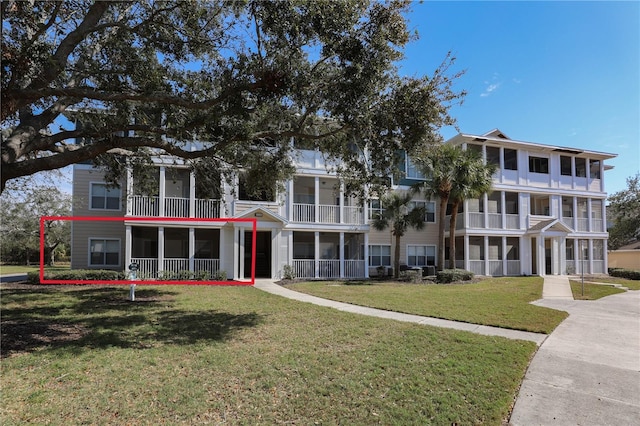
x=501 y=302
x=205 y=354
x=592 y=291
x=630 y=284
x=24 y=269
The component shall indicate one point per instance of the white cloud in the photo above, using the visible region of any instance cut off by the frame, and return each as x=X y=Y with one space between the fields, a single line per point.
x=490 y=89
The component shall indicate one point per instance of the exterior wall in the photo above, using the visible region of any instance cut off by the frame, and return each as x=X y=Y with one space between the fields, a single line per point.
x=628 y=259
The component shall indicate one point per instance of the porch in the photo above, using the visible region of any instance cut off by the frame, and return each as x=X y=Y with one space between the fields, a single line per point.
x=320 y=200
x=330 y=255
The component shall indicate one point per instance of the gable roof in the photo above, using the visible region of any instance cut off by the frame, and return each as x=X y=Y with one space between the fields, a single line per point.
x=263 y=214
x=548 y=225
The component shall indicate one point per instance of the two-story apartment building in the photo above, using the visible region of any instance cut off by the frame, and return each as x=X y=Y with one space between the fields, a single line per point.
x=548 y=202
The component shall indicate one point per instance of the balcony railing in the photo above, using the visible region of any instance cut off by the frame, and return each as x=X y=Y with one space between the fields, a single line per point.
x=147 y=266
x=304 y=268
x=513 y=221
x=328 y=213
x=583 y=224
x=495 y=220
x=476 y=266
x=173 y=207
x=306 y=213
x=354 y=268
x=210 y=265
x=476 y=220
x=513 y=267
x=495 y=268
x=329 y=268
x=176 y=265
x=568 y=221
x=596 y=225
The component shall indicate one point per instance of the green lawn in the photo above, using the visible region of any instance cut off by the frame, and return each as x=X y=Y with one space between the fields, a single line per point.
x=236 y=355
x=501 y=302
x=630 y=284
x=23 y=269
x=592 y=291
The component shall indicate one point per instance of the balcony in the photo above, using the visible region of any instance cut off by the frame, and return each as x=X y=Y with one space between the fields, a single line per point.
x=144 y=206
x=329 y=214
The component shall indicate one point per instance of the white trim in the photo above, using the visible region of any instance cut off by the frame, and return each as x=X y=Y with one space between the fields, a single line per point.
x=435 y=254
x=380 y=256
x=105 y=239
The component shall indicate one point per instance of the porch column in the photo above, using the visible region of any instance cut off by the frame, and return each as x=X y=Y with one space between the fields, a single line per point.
x=486 y=250
x=129 y=191
x=504 y=254
x=290 y=196
x=236 y=253
x=192 y=194
x=501 y=164
x=563 y=256
x=192 y=249
x=466 y=252
x=590 y=254
x=241 y=253
x=485 y=207
x=316 y=200
x=160 y=249
x=605 y=253
x=341 y=253
x=161 y=191
x=503 y=206
x=575 y=213
x=589 y=219
x=341 y=203
x=366 y=255
x=541 y=257
x=316 y=246
x=127 y=247
x=221 y=252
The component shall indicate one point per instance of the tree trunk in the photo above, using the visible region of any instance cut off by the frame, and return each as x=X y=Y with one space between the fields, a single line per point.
x=452 y=236
x=442 y=213
x=396 y=258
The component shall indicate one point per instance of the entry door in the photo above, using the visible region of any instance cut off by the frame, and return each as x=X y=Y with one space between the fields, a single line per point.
x=263 y=254
x=548 y=258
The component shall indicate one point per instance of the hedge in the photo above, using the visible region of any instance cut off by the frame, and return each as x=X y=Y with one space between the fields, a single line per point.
x=452 y=275
x=76 y=275
x=625 y=273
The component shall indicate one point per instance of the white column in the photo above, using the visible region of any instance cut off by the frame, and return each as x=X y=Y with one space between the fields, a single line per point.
x=503 y=209
x=236 y=253
x=161 y=192
x=605 y=253
x=486 y=251
x=341 y=255
x=563 y=256
x=366 y=255
x=466 y=251
x=129 y=190
x=127 y=247
x=221 y=252
x=575 y=213
x=541 y=256
x=341 y=203
x=590 y=263
x=504 y=254
x=160 y=249
x=316 y=200
x=501 y=171
x=589 y=219
x=192 y=248
x=316 y=248
x=192 y=194
x=241 y=253
x=485 y=207
x=290 y=195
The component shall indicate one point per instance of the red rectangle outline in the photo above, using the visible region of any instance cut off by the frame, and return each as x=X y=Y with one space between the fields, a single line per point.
x=253 y=221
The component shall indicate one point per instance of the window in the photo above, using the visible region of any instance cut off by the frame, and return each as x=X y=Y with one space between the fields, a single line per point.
x=594 y=169
x=421 y=255
x=429 y=208
x=493 y=155
x=412 y=171
x=565 y=165
x=375 y=209
x=103 y=197
x=379 y=255
x=104 y=252
x=570 y=249
x=581 y=167
x=510 y=159
x=538 y=165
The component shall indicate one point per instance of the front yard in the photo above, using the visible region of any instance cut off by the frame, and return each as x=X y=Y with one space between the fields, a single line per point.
x=236 y=355
x=500 y=302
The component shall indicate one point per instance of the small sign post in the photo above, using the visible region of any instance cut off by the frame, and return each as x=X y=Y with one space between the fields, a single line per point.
x=133 y=276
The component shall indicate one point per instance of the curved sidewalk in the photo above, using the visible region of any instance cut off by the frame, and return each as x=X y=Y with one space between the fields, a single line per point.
x=273 y=288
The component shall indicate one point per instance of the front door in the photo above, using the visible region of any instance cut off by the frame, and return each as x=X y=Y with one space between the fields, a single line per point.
x=548 y=258
x=263 y=254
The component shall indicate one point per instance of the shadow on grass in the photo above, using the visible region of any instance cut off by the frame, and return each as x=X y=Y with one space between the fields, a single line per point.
x=76 y=320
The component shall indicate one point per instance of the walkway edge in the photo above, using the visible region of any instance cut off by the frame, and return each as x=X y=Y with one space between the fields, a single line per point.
x=273 y=288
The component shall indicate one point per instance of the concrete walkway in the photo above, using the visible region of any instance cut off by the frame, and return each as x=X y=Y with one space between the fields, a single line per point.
x=587 y=372
x=557 y=287
x=271 y=287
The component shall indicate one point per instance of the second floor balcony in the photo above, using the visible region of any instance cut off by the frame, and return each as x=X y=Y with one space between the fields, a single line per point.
x=146 y=206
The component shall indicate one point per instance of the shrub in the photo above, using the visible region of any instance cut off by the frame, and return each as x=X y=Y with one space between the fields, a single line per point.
x=629 y=274
x=185 y=275
x=452 y=275
x=201 y=275
x=288 y=273
x=76 y=275
x=220 y=275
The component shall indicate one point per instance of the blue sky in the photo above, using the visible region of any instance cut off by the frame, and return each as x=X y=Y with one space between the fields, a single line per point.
x=558 y=73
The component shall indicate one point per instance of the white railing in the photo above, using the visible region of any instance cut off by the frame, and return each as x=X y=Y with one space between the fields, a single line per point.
x=476 y=266
x=210 y=265
x=304 y=213
x=328 y=213
x=512 y=221
x=598 y=267
x=570 y=267
x=147 y=266
x=568 y=221
x=176 y=207
x=175 y=265
x=354 y=268
x=476 y=220
x=495 y=220
x=583 y=224
x=353 y=215
x=209 y=209
x=495 y=268
x=596 y=225
x=144 y=206
x=329 y=268
x=513 y=267
x=304 y=268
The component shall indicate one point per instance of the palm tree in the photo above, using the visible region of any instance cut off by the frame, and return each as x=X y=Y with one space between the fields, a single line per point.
x=399 y=216
x=454 y=175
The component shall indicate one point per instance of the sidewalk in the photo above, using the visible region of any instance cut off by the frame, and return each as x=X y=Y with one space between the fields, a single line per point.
x=270 y=287
x=557 y=287
x=587 y=372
